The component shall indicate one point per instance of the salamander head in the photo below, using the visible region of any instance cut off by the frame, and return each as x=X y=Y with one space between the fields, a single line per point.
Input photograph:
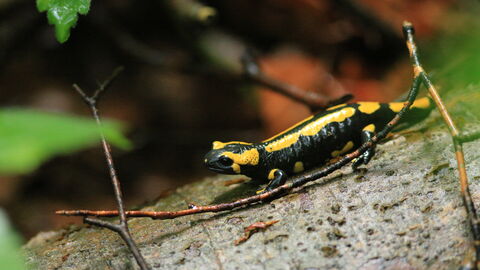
x=231 y=157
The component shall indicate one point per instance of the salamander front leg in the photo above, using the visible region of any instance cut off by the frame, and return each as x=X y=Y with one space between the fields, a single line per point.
x=367 y=155
x=277 y=178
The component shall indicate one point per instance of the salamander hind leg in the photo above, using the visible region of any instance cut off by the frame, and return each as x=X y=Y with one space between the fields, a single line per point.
x=367 y=133
x=277 y=178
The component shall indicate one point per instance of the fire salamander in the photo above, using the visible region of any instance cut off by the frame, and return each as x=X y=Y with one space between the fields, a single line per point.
x=312 y=142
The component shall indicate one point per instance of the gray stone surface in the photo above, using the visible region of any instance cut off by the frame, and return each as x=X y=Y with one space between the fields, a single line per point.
x=405 y=212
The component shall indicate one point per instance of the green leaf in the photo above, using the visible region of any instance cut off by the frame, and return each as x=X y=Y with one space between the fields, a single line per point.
x=28 y=137
x=63 y=14
x=10 y=257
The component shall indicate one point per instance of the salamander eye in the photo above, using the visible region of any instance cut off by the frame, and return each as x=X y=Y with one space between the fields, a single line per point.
x=225 y=161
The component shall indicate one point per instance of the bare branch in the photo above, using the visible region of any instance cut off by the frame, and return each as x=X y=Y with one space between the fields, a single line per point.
x=314 y=100
x=122 y=228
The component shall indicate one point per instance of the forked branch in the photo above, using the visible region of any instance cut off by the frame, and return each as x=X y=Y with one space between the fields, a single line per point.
x=315 y=101
x=122 y=228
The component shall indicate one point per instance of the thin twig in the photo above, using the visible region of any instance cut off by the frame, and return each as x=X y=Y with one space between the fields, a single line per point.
x=472 y=258
x=458 y=141
x=255 y=227
x=122 y=228
x=314 y=100
x=295 y=182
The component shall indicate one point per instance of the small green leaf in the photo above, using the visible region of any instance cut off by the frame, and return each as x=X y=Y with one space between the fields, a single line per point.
x=10 y=256
x=28 y=137
x=63 y=14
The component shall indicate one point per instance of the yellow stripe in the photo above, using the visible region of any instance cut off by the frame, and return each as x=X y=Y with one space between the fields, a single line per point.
x=310 y=129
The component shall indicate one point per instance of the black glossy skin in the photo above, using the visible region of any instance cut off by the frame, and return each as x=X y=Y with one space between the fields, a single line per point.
x=313 y=151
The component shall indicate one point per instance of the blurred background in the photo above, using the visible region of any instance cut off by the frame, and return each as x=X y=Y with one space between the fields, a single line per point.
x=183 y=85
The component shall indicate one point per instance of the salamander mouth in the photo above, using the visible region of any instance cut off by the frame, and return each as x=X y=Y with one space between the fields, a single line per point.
x=216 y=169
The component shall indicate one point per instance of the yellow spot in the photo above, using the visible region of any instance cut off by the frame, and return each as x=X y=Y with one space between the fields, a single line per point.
x=271 y=175
x=236 y=168
x=370 y=128
x=298 y=167
x=220 y=145
x=248 y=157
x=368 y=107
x=421 y=103
x=346 y=148
x=336 y=106
x=396 y=106
x=309 y=130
